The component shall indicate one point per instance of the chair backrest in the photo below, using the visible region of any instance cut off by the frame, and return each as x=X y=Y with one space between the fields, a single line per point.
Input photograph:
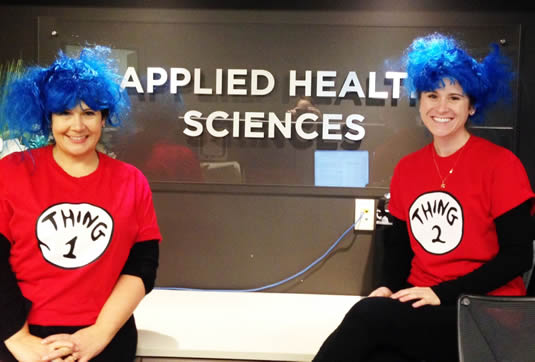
x=493 y=329
x=530 y=277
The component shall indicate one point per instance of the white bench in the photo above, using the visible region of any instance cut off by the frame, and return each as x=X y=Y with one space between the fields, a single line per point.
x=241 y=326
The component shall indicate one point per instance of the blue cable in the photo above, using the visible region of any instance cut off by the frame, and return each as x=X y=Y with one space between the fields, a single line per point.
x=334 y=245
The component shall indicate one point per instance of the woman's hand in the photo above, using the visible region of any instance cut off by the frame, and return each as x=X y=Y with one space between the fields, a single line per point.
x=88 y=342
x=422 y=295
x=29 y=348
x=381 y=292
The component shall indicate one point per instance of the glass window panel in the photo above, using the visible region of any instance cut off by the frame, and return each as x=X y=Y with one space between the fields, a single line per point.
x=259 y=143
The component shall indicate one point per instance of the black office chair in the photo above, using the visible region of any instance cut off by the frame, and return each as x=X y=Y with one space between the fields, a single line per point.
x=530 y=276
x=496 y=329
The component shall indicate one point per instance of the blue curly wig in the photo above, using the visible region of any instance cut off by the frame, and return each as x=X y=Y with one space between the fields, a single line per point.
x=32 y=98
x=433 y=58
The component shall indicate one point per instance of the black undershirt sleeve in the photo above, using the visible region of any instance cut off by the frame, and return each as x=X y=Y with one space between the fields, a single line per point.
x=514 y=257
x=143 y=262
x=397 y=256
x=14 y=307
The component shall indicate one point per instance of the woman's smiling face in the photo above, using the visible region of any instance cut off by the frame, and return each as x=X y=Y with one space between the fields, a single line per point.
x=77 y=131
x=445 y=110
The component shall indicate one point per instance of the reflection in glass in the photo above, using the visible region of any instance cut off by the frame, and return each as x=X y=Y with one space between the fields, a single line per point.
x=153 y=139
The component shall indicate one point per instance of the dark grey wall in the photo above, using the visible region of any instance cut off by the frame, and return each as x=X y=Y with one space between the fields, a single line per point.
x=228 y=239
x=224 y=236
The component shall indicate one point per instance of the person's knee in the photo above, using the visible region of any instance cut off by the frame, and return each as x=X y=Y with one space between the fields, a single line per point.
x=367 y=309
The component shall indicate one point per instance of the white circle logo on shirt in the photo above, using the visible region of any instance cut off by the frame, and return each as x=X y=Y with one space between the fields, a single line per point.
x=436 y=221
x=73 y=235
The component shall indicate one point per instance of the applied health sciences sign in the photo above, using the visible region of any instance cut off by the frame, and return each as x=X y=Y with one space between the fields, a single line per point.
x=260 y=83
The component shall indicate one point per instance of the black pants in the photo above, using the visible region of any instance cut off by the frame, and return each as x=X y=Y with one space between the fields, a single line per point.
x=386 y=330
x=122 y=347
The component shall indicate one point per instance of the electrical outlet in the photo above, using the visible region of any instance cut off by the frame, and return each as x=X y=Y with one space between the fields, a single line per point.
x=366 y=207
